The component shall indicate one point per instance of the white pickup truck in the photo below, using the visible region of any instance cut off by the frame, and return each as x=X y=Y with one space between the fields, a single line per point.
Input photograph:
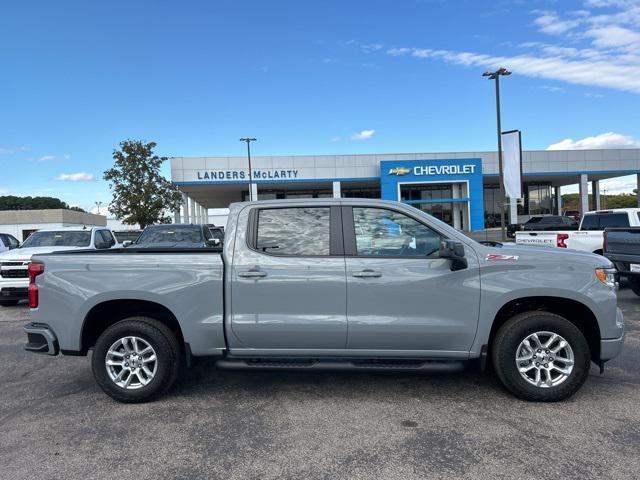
x=589 y=238
x=14 y=277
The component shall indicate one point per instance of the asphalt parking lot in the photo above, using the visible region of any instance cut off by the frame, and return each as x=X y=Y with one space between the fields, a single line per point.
x=56 y=424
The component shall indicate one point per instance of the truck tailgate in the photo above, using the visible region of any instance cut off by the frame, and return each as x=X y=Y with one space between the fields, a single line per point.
x=544 y=239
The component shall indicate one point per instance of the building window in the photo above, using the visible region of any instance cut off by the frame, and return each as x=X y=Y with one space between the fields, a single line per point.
x=492 y=202
x=540 y=199
x=360 y=193
x=426 y=192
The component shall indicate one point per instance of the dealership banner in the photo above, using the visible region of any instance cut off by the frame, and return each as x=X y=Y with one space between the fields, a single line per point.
x=512 y=163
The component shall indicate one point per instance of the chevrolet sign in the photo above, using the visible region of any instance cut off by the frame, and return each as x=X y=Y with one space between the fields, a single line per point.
x=399 y=171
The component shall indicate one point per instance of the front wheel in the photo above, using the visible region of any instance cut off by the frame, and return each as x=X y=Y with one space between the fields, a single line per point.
x=540 y=356
x=136 y=360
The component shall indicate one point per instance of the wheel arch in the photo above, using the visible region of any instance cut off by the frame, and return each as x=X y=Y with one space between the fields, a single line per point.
x=574 y=311
x=102 y=315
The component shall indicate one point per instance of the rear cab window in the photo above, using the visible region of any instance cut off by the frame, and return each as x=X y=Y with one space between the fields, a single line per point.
x=600 y=221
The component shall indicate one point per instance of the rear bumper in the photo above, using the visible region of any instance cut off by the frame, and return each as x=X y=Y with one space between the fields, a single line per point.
x=41 y=339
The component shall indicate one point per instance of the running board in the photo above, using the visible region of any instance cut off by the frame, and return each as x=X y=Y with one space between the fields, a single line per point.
x=427 y=366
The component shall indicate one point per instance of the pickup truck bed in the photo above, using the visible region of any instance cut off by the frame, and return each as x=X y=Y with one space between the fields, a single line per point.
x=622 y=247
x=330 y=283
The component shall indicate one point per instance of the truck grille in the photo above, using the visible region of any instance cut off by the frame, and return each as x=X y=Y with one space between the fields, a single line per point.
x=14 y=273
x=14 y=264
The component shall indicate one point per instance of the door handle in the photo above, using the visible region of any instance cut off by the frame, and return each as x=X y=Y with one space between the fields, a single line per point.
x=367 y=273
x=252 y=274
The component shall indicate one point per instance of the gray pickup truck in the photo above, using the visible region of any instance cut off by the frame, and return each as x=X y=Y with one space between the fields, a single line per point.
x=329 y=284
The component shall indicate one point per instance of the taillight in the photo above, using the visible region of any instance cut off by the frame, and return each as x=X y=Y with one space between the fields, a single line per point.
x=560 y=238
x=34 y=270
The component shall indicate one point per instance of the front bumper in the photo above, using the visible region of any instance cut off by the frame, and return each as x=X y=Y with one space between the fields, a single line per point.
x=41 y=339
x=611 y=347
x=14 y=289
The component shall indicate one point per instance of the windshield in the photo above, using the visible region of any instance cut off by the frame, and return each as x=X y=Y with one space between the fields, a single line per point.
x=58 y=239
x=171 y=234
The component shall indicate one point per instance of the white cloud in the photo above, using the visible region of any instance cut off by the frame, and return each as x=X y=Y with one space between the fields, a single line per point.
x=363 y=135
x=76 y=177
x=12 y=150
x=613 y=37
x=593 y=47
x=336 y=139
x=551 y=24
x=46 y=158
x=619 y=185
x=604 y=140
x=552 y=88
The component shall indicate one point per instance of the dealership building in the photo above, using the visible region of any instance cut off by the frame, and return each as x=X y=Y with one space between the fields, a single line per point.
x=460 y=188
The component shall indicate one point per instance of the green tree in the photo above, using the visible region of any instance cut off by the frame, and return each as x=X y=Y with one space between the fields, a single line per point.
x=11 y=202
x=140 y=194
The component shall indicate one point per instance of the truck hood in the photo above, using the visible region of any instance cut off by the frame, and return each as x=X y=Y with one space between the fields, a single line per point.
x=25 y=254
x=535 y=253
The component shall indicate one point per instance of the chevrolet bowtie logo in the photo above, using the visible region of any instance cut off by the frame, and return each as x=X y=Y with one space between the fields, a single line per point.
x=399 y=171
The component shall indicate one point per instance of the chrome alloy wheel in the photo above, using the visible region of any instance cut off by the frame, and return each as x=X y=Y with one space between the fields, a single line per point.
x=544 y=359
x=131 y=362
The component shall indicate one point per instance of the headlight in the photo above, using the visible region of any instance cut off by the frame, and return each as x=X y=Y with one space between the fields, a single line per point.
x=607 y=276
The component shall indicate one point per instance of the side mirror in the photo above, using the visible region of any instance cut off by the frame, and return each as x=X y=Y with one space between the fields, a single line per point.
x=126 y=243
x=214 y=242
x=454 y=251
x=103 y=245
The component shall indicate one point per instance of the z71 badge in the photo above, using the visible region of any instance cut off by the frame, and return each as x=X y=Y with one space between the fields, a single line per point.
x=499 y=256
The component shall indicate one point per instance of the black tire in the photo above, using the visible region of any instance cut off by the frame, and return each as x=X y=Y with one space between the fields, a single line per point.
x=514 y=331
x=634 y=284
x=8 y=303
x=159 y=337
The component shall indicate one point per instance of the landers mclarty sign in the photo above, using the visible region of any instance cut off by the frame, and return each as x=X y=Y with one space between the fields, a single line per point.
x=259 y=174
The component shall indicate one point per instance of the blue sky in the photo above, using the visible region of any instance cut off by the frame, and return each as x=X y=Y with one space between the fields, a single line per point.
x=305 y=77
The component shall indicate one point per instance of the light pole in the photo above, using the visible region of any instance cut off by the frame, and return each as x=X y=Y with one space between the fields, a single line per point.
x=249 y=140
x=496 y=76
x=98 y=204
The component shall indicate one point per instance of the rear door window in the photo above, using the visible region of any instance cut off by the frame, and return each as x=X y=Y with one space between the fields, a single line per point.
x=299 y=231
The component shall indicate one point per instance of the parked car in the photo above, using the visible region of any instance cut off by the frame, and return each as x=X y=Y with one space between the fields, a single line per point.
x=622 y=247
x=8 y=242
x=217 y=232
x=546 y=222
x=353 y=284
x=127 y=235
x=175 y=235
x=575 y=214
x=589 y=238
x=14 y=278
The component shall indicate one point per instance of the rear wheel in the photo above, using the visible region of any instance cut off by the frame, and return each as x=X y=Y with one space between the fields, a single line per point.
x=541 y=356
x=136 y=360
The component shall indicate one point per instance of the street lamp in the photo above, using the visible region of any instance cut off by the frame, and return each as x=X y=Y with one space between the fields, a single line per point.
x=98 y=204
x=496 y=76
x=249 y=140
